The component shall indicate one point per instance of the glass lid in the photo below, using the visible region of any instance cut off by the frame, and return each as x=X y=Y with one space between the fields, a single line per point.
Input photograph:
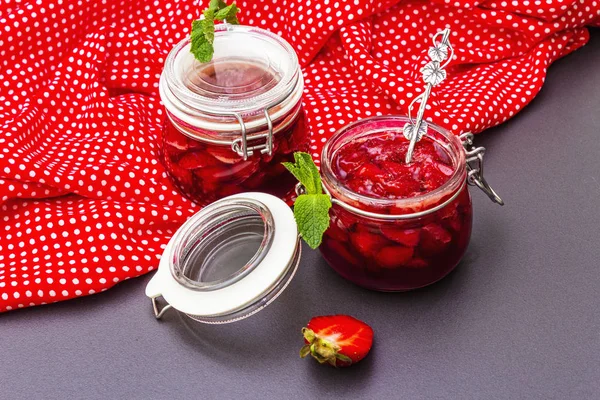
x=231 y=78
x=251 y=69
x=229 y=260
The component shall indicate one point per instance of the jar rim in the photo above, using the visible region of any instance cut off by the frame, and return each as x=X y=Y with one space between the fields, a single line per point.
x=336 y=190
x=216 y=217
x=224 y=105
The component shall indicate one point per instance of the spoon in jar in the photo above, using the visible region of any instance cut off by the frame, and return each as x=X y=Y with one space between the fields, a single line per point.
x=433 y=74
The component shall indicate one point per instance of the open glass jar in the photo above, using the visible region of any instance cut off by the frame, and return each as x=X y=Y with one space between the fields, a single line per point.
x=233 y=121
x=393 y=234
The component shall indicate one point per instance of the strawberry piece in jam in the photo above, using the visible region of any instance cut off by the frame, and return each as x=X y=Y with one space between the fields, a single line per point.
x=406 y=237
x=367 y=243
x=393 y=256
x=196 y=159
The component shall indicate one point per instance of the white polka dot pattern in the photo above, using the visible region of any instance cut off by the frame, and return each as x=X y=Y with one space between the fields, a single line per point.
x=84 y=200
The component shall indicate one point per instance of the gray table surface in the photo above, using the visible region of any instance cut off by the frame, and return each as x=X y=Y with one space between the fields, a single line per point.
x=519 y=318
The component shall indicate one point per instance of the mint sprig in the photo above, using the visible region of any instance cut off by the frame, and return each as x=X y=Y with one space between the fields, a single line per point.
x=311 y=209
x=203 y=30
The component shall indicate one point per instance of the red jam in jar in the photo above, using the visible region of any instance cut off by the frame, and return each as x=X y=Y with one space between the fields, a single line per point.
x=233 y=121
x=375 y=166
x=395 y=226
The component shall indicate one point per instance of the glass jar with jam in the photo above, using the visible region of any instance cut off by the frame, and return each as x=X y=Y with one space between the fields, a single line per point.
x=397 y=226
x=231 y=122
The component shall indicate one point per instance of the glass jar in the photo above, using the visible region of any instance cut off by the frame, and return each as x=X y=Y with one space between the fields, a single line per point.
x=233 y=121
x=399 y=244
x=229 y=261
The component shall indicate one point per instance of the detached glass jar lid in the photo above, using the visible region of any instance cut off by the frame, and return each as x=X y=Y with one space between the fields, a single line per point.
x=229 y=260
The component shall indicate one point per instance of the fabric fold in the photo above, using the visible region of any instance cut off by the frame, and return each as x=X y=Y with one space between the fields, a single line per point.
x=84 y=199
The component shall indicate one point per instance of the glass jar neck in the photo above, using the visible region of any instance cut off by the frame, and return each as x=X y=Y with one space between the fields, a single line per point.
x=421 y=204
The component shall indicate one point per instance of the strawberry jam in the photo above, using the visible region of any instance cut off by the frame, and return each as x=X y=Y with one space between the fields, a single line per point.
x=207 y=172
x=403 y=242
x=253 y=82
x=375 y=167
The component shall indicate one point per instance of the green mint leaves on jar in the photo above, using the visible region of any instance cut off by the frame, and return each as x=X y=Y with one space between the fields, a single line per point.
x=311 y=209
x=203 y=30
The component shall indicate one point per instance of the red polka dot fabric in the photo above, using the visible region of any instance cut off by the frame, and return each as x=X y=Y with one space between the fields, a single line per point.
x=84 y=200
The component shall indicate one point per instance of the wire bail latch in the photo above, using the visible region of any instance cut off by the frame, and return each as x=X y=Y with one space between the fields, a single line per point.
x=240 y=145
x=474 y=159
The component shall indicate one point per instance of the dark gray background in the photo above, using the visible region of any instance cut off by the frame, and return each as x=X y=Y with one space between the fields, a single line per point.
x=518 y=319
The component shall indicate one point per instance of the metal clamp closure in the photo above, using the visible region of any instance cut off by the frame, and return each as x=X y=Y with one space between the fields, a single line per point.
x=158 y=313
x=240 y=145
x=474 y=159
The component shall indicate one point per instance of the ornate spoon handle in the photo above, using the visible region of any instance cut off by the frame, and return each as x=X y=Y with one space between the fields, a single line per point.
x=433 y=73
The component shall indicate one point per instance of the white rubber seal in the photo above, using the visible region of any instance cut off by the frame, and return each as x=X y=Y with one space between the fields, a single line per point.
x=252 y=287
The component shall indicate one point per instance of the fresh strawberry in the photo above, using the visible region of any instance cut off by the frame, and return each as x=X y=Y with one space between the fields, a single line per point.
x=367 y=243
x=393 y=256
x=406 y=237
x=339 y=340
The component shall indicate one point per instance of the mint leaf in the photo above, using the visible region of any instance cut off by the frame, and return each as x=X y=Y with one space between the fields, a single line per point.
x=203 y=51
x=202 y=35
x=227 y=13
x=311 y=212
x=208 y=25
x=216 y=4
x=306 y=172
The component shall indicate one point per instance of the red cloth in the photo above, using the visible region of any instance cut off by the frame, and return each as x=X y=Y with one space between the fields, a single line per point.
x=85 y=202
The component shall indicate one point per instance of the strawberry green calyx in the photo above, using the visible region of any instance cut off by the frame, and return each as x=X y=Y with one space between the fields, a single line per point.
x=321 y=349
x=311 y=209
